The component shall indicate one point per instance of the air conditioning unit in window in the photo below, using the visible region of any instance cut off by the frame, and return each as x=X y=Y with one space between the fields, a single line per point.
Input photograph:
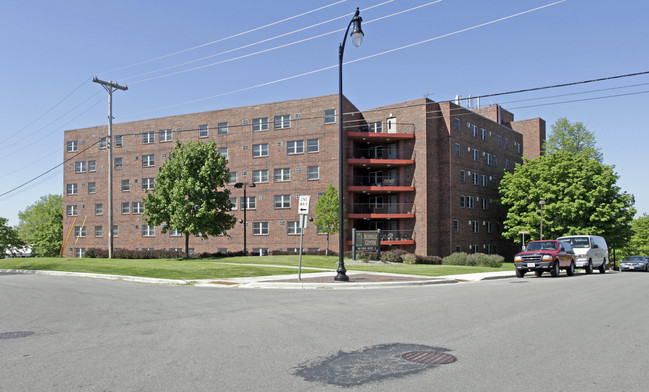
x=280 y=144
x=244 y=122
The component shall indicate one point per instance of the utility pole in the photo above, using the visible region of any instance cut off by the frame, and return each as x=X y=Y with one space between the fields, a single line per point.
x=110 y=87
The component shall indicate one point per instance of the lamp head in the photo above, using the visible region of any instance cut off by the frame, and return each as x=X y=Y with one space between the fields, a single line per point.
x=357 y=33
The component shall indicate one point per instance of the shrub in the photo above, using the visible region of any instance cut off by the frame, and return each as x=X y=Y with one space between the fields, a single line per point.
x=474 y=259
x=458 y=258
x=95 y=253
x=409 y=258
x=436 y=260
x=393 y=256
x=494 y=261
x=364 y=256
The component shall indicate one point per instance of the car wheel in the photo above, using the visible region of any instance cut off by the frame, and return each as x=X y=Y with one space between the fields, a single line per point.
x=538 y=273
x=571 y=270
x=520 y=273
x=602 y=268
x=589 y=267
x=555 y=271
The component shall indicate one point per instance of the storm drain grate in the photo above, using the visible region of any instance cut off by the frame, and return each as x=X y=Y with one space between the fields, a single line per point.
x=15 y=334
x=429 y=357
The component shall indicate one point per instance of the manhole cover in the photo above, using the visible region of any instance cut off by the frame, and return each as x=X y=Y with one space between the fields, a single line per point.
x=15 y=334
x=429 y=357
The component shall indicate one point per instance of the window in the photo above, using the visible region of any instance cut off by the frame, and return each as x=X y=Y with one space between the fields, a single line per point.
x=126 y=185
x=476 y=154
x=103 y=143
x=462 y=201
x=260 y=176
x=282 y=201
x=313 y=145
x=474 y=130
x=148 y=137
x=330 y=116
x=223 y=151
x=469 y=202
x=203 y=130
x=283 y=121
x=251 y=204
x=165 y=135
x=119 y=163
x=484 y=180
x=500 y=141
x=148 y=160
x=484 y=203
x=79 y=167
x=456 y=226
x=489 y=227
x=147 y=183
x=71 y=189
x=99 y=231
x=115 y=231
x=376 y=127
x=292 y=227
x=518 y=147
x=119 y=141
x=456 y=126
x=260 y=228
x=73 y=146
x=126 y=207
x=71 y=210
x=462 y=177
x=483 y=134
x=476 y=226
x=313 y=172
x=476 y=179
x=137 y=207
x=175 y=233
x=506 y=143
x=259 y=150
x=233 y=201
x=457 y=149
x=260 y=124
x=233 y=178
x=148 y=231
x=281 y=175
x=507 y=164
x=79 y=231
x=92 y=187
x=295 y=147
x=223 y=128
x=92 y=166
x=99 y=209
x=79 y=252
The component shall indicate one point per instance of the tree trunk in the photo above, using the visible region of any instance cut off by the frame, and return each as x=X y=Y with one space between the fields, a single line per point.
x=327 y=250
x=186 y=245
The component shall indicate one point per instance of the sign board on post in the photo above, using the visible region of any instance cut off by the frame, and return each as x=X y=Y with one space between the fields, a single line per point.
x=303 y=210
x=303 y=205
x=367 y=240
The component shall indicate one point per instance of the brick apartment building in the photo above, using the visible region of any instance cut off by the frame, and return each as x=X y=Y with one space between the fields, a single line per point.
x=426 y=173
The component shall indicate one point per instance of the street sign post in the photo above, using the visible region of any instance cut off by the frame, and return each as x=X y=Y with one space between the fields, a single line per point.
x=303 y=211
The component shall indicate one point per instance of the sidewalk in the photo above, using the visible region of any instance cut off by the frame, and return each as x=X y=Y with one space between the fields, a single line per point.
x=316 y=280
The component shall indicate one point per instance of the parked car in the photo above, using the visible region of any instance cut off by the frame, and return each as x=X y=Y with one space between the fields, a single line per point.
x=635 y=263
x=545 y=255
x=591 y=252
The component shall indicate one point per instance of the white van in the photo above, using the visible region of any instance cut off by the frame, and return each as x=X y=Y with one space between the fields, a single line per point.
x=591 y=251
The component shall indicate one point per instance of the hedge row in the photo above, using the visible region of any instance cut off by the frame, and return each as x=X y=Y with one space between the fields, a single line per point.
x=169 y=254
x=474 y=259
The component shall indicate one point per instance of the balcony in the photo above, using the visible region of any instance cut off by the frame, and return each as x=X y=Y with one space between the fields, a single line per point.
x=381 y=211
x=381 y=156
x=379 y=183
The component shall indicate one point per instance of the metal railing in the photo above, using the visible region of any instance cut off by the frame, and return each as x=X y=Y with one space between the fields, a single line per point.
x=377 y=180
x=383 y=208
x=381 y=153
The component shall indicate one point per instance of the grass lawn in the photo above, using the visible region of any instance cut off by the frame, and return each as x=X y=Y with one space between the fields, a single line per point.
x=230 y=267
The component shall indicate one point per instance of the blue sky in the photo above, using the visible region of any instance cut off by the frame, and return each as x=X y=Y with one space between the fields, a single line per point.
x=51 y=50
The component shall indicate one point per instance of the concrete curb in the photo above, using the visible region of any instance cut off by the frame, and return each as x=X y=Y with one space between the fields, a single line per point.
x=280 y=281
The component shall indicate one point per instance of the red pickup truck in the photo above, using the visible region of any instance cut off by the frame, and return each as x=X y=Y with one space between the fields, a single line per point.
x=545 y=255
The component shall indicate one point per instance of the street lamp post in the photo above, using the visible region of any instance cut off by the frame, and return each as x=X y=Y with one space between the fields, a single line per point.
x=244 y=207
x=541 y=203
x=357 y=39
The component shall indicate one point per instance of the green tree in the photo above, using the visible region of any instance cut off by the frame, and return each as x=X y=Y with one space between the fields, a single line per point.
x=186 y=196
x=326 y=213
x=639 y=242
x=41 y=226
x=573 y=138
x=581 y=197
x=9 y=238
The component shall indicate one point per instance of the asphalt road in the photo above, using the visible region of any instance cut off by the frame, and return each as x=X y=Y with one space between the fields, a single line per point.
x=581 y=333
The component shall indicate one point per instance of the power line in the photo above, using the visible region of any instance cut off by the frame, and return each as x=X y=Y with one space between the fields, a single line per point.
x=273 y=48
x=349 y=62
x=222 y=39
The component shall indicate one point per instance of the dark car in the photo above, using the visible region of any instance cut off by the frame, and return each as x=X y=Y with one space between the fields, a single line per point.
x=545 y=255
x=635 y=263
